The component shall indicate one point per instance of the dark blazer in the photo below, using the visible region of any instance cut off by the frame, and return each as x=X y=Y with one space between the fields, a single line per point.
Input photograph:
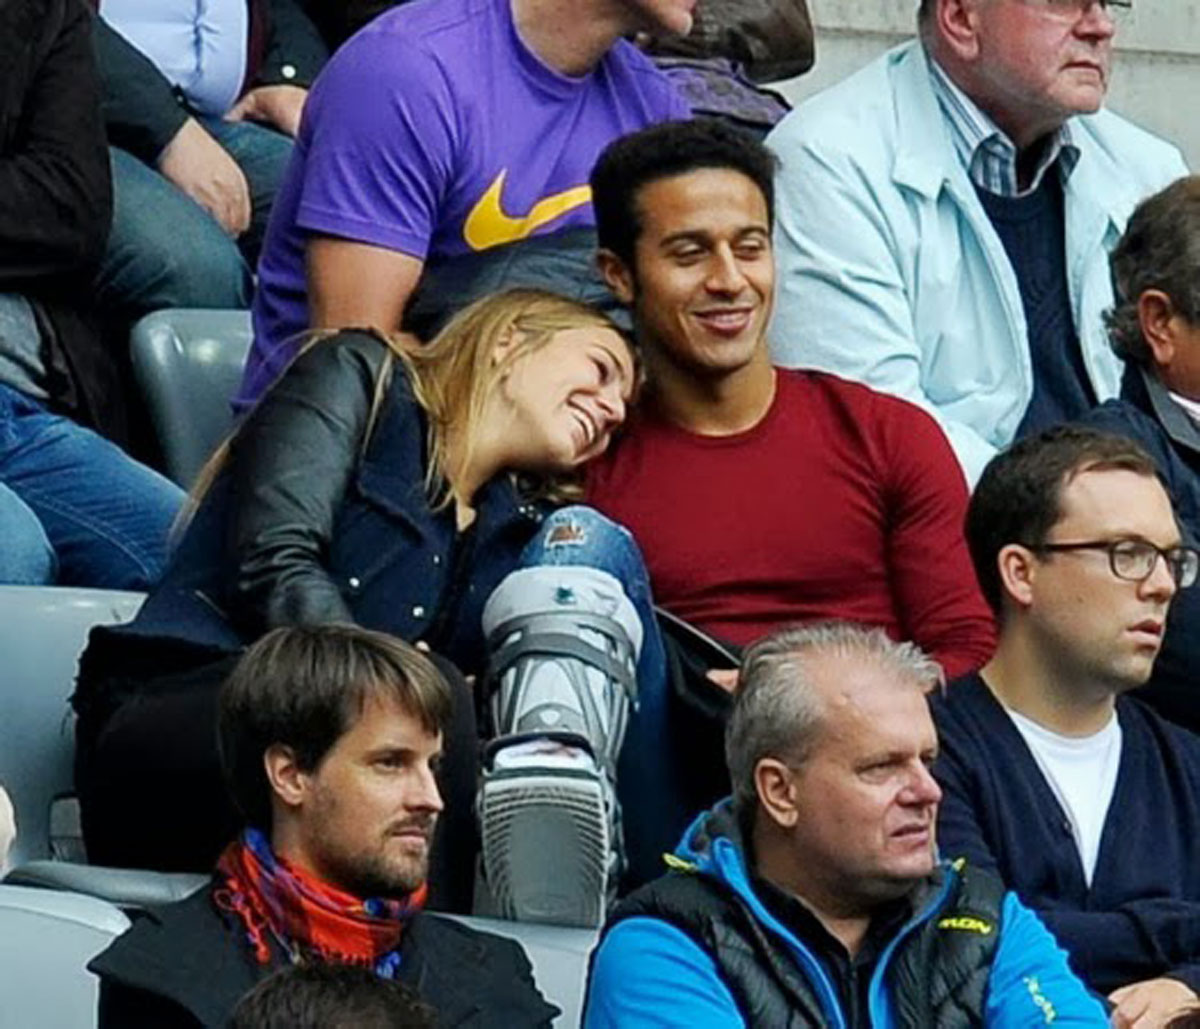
x=188 y=965
x=304 y=527
x=1140 y=918
x=1146 y=413
x=142 y=111
x=56 y=198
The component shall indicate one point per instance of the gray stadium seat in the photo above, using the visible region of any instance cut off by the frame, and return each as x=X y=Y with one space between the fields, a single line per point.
x=131 y=889
x=559 y=956
x=42 y=631
x=46 y=941
x=189 y=364
x=48 y=937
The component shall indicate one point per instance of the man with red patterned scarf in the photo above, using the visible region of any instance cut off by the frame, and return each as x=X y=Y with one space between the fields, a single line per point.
x=330 y=742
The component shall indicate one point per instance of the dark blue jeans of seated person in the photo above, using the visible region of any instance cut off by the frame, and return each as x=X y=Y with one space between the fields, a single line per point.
x=650 y=768
x=165 y=250
x=75 y=509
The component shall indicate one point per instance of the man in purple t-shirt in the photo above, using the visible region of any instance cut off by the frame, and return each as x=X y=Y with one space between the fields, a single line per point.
x=447 y=127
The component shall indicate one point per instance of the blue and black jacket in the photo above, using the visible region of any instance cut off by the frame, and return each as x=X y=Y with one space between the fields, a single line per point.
x=698 y=948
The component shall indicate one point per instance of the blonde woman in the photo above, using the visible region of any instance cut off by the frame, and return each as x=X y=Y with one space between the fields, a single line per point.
x=391 y=488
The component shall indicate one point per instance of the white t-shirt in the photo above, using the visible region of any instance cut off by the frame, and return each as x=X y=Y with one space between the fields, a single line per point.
x=1192 y=407
x=1082 y=772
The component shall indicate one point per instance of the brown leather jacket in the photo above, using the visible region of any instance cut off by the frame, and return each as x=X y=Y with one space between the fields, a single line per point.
x=769 y=39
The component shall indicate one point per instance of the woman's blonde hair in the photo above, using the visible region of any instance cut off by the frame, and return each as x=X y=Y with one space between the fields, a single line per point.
x=451 y=377
x=455 y=372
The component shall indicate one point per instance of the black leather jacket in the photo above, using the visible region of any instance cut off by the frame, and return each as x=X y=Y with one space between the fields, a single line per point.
x=304 y=527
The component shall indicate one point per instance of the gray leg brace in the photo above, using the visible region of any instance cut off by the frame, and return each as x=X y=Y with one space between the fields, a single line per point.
x=564 y=645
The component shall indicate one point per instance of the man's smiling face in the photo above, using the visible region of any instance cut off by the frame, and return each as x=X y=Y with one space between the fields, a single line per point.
x=703 y=273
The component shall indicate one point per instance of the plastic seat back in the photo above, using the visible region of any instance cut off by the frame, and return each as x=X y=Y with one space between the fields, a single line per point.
x=189 y=364
x=42 y=631
x=46 y=940
x=559 y=956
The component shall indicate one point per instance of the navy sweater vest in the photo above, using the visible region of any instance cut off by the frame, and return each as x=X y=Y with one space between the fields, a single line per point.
x=1033 y=231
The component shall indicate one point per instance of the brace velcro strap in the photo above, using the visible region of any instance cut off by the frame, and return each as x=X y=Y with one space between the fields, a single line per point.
x=559 y=644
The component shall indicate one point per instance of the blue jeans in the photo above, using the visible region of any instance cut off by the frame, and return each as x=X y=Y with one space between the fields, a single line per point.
x=649 y=771
x=74 y=508
x=165 y=250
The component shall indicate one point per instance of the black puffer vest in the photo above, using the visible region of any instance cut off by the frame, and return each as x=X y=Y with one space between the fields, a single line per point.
x=937 y=976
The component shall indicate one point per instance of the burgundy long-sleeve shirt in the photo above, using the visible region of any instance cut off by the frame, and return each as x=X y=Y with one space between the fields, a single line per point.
x=840 y=503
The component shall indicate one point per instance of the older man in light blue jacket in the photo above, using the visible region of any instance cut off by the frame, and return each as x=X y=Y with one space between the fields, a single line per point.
x=945 y=217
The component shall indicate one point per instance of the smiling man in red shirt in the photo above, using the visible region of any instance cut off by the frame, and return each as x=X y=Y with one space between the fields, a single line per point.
x=763 y=497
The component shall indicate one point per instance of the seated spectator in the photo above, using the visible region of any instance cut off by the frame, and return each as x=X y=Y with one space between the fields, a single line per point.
x=321 y=996
x=857 y=501
x=396 y=488
x=486 y=117
x=860 y=500
x=1155 y=327
x=946 y=214
x=733 y=47
x=1083 y=800
x=201 y=105
x=74 y=508
x=814 y=898
x=330 y=738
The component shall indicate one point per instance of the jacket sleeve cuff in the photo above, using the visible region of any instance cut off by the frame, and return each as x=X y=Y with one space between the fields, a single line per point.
x=141 y=111
x=295 y=51
x=164 y=128
x=1189 y=975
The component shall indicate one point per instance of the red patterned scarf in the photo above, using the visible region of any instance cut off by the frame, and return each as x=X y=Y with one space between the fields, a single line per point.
x=306 y=916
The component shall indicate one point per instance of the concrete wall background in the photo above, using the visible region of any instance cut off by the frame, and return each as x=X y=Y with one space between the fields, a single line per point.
x=1156 y=79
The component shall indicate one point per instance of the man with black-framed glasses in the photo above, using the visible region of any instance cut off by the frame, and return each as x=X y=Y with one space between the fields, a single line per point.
x=1080 y=797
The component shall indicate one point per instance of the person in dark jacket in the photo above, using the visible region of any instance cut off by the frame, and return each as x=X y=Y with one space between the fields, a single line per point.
x=330 y=738
x=1082 y=799
x=814 y=897
x=201 y=105
x=1154 y=327
x=74 y=508
x=374 y=485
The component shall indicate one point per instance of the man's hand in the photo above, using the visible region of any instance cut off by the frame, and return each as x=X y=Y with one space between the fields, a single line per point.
x=197 y=164
x=1150 y=1003
x=278 y=106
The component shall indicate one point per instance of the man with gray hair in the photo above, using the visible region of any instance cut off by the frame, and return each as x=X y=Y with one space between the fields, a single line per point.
x=814 y=896
x=945 y=216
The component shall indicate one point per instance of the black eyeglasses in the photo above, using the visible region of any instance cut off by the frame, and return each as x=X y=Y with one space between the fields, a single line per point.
x=1134 y=560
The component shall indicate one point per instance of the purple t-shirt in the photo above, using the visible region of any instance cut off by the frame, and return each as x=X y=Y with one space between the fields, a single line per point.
x=436 y=132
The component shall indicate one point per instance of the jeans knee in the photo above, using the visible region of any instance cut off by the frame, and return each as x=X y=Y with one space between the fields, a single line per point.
x=165 y=250
x=212 y=274
x=580 y=526
x=26 y=557
x=580 y=535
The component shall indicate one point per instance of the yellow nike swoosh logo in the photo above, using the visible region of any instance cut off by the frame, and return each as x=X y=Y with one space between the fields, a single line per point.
x=488 y=226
